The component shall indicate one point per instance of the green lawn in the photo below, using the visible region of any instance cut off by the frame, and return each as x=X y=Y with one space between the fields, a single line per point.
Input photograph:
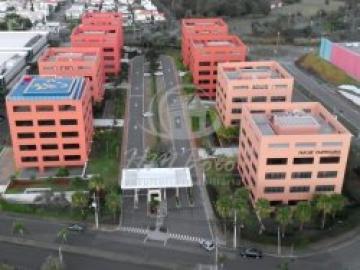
x=325 y=70
x=105 y=155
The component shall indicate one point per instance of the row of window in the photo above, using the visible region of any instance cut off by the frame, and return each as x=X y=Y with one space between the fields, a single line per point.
x=300 y=175
x=33 y=147
x=45 y=135
x=305 y=145
x=304 y=160
x=43 y=108
x=259 y=99
x=259 y=87
x=46 y=122
x=299 y=189
x=50 y=158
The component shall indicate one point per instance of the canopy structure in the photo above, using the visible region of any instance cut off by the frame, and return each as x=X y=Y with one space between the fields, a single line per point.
x=155 y=178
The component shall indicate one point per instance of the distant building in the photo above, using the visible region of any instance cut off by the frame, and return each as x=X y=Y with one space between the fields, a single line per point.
x=76 y=61
x=193 y=27
x=289 y=152
x=250 y=82
x=50 y=121
x=12 y=67
x=345 y=56
x=205 y=55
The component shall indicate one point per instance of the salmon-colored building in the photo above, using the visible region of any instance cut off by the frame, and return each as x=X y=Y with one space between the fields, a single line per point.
x=250 y=82
x=193 y=27
x=76 y=61
x=106 y=37
x=50 y=121
x=206 y=53
x=289 y=152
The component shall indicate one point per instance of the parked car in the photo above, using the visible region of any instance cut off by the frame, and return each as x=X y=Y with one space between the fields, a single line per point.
x=251 y=253
x=207 y=245
x=76 y=228
x=2 y=118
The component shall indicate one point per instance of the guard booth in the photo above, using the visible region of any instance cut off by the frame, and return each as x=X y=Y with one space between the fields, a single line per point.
x=155 y=181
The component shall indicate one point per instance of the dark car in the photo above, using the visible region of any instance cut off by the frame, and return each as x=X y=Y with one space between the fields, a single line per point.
x=2 y=118
x=76 y=228
x=251 y=253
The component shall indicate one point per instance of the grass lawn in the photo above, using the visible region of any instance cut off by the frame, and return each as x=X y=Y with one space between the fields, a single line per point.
x=325 y=70
x=105 y=155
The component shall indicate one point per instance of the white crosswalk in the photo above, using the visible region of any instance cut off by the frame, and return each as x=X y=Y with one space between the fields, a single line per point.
x=133 y=230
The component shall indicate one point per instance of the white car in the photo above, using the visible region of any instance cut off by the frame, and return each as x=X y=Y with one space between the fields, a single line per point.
x=148 y=114
x=207 y=245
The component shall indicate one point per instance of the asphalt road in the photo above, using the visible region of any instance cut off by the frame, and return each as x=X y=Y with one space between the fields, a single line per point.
x=135 y=121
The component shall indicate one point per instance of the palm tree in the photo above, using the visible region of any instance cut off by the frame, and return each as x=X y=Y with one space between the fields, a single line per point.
x=18 y=228
x=80 y=200
x=52 y=263
x=323 y=204
x=303 y=213
x=223 y=207
x=283 y=217
x=241 y=212
x=97 y=184
x=63 y=236
x=113 y=203
x=337 y=203
x=263 y=211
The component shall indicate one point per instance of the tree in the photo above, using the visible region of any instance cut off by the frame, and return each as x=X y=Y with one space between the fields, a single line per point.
x=303 y=213
x=223 y=207
x=113 y=203
x=18 y=228
x=283 y=217
x=323 y=205
x=97 y=184
x=80 y=200
x=63 y=236
x=62 y=172
x=337 y=203
x=52 y=263
x=263 y=211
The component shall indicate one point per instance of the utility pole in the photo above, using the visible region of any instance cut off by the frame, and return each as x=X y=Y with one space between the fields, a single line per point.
x=279 y=241
x=96 y=210
x=235 y=235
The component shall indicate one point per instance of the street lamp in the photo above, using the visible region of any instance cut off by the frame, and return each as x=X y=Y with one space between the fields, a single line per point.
x=94 y=205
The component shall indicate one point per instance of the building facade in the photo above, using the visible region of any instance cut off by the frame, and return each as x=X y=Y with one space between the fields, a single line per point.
x=51 y=122
x=206 y=53
x=106 y=37
x=76 y=61
x=250 y=82
x=289 y=152
x=193 y=27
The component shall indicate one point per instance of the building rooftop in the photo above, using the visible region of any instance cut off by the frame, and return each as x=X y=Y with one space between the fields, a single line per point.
x=13 y=40
x=47 y=88
x=296 y=122
x=193 y=22
x=8 y=60
x=254 y=71
x=70 y=54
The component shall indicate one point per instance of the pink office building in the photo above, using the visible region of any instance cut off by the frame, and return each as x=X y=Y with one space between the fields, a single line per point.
x=106 y=37
x=76 y=61
x=193 y=27
x=289 y=152
x=206 y=53
x=250 y=82
x=50 y=121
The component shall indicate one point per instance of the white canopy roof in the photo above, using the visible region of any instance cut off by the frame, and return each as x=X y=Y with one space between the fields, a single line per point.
x=146 y=178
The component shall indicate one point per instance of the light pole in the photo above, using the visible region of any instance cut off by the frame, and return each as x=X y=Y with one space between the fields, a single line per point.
x=279 y=241
x=216 y=254
x=235 y=232
x=96 y=210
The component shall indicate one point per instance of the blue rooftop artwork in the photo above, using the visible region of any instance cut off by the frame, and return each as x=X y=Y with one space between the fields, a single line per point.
x=47 y=88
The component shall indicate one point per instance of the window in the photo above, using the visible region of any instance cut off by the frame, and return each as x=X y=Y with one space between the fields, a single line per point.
x=306 y=160
x=321 y=188
x=44 y=108
x=278 y=99
x=204 y=64
x=236 y=110
x=21 y=109
x=72 y=157
x=260 y=86
x=235 y=122
x=27 y=147
x=299 y=189
x=49 y=146
x=275 y=175
x=204 y=81
x=29 y=159
x=47 y=134
x=108 y=49
x=278 y=145
x=67 y=108
x=24 y=123
x=47 y=122
x=241 y=87
x=204 y=72
x=243 y=132
x=281 y=86
x=71 y=146
x=51 y=158
x=68 y=122
x=109 y=58
x=276 y=161
x=257 y=111
x=26 y=135
x=258 y=99
x=239 y=99
x=253 y=166
x=331 y=144
x=329 y=160
x=327 y=174
x=70 y=134
x=301 y=175
x=273 y=189
x=305 y=144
